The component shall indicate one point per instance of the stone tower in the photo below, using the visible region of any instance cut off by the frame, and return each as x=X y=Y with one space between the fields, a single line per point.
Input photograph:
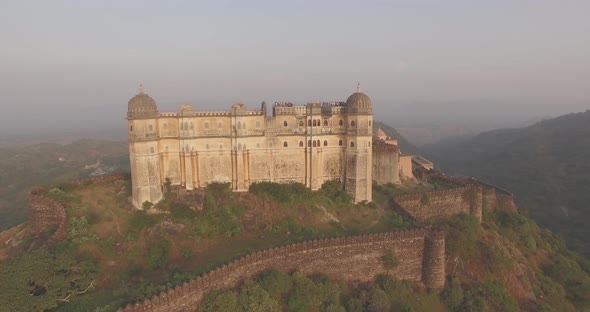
x=142 y=117
x=359 y=153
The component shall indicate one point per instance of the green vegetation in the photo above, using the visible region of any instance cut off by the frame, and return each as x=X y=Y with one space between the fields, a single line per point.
x=545 y=165
x=132 y=255
x=45 y=278
x=277 y=291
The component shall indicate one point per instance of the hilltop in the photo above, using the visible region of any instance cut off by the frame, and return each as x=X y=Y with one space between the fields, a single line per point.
x=545 y=165
x=111 y=254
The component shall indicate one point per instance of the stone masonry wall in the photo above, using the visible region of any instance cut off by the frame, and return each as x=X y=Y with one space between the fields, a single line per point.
x=46 y=213
x=346 y=258
x=385 y=163
x=442 y=204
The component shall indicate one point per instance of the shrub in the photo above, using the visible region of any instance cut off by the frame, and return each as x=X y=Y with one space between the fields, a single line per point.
x=157 y=253
x=220 y=301
x=140 y=220
x=146 y=205
x=390 y=260
x=334 y=190
x=452 y=294
x=276 y=283
x=499 y=297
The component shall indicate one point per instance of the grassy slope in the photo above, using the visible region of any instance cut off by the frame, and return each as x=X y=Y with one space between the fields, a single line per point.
x=545 y=165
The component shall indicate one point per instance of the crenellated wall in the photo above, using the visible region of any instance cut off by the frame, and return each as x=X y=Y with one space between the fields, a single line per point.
x=345 y=258
x=442 y=204
x=46 y=213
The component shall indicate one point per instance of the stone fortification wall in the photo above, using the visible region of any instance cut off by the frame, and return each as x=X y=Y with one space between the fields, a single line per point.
x=442 y=204
x=46 y=213
x=385 y=163
x=493 y=197
x=345 y=258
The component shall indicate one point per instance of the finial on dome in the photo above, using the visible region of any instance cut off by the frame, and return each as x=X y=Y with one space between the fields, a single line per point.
x=140 y=88
x=358 y=87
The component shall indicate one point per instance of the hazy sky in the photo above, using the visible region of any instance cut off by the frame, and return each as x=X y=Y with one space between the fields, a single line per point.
x=430 y=60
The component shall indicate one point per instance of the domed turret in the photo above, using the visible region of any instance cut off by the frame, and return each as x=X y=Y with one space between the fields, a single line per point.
x=142 y=105
x=359 y=102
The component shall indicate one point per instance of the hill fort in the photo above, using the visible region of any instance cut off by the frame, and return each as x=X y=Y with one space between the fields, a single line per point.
x=308 y=144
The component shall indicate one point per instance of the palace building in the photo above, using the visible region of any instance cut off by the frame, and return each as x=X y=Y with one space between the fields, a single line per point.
x=308 y=144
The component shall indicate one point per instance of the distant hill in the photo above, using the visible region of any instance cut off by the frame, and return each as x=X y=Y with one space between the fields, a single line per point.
x=545 y=165
x=405 y=146
x=24 y=167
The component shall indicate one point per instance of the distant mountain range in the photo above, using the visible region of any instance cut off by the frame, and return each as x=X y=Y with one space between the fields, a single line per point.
x=546 y=165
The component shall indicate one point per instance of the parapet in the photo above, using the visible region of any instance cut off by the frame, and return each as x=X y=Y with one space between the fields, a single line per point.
x=186 y=296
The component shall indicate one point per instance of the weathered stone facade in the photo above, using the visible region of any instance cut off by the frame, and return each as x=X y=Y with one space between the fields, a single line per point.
x=442 y=204
x=308 y=144
x=385 y=163
x=421 y=254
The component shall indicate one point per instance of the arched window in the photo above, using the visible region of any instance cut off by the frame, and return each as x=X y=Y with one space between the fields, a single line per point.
x=151 y=128
x=239 y=125
x=131 y=128
x=239 y=146
x=309 y=123
x=353 y=124
x=192 y=126
x=300 y=143
x=318 y=143
x=301 y=124
x=325 y=143
x=341 y=122
x=318 y=122
x=369 y=123
x=314 y=143
x=285 y=144
x=351 y=144
x=308 y=143
x=325 y=123
x=206 y=125
x=369 y=143
x=314 y=123
x=284 y=123
x=185 y=126
x=340 y=143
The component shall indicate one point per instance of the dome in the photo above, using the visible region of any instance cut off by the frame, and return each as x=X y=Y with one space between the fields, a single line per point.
x=142 y=105
x=358 y=102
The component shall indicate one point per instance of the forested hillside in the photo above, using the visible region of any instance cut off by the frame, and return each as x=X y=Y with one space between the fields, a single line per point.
x=545 y=165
